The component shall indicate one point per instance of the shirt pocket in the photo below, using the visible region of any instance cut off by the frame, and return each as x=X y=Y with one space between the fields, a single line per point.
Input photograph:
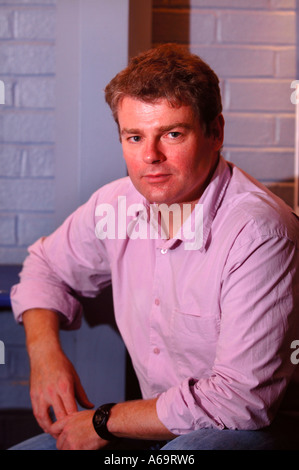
x=192 y=323
x=194 y=339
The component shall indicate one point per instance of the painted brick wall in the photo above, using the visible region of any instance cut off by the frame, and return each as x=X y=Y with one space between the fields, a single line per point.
x=27 y=68
x=251 y=44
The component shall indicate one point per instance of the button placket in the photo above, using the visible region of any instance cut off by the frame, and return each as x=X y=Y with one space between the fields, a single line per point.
x=156 y=343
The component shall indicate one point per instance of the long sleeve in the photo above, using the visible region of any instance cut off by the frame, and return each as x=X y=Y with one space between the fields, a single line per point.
x=259 y=305
x=70 y=261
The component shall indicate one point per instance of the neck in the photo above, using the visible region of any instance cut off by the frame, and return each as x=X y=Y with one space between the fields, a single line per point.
x=173 y=216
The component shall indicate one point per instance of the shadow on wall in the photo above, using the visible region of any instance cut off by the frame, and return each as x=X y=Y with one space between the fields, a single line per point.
x=100 y=311
x=177 y=30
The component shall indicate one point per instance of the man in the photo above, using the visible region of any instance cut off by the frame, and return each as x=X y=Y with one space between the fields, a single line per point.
x=209 y=322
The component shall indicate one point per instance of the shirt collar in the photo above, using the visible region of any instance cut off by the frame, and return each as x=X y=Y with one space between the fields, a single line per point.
x=213 y=196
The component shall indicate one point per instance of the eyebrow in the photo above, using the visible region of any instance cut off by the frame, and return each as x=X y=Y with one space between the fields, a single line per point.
x=162 y=129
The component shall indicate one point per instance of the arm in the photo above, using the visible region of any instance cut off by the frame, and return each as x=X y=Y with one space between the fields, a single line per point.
x=58 y=266
x=53 y=381
x=136 y=419
x=252 y=368
x=70 y=260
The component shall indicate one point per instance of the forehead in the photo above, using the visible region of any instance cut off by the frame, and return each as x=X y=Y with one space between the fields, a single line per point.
x=131 y=109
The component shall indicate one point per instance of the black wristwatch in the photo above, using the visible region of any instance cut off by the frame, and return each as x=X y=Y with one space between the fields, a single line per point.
x=100 y=419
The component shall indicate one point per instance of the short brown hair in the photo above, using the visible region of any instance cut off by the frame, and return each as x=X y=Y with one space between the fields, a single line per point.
x=172 y=72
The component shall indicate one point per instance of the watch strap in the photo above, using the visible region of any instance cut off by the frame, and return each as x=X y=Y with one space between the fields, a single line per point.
x=100 y=419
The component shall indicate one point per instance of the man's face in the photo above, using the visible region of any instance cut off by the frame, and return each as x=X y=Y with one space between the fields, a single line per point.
x=169 y=160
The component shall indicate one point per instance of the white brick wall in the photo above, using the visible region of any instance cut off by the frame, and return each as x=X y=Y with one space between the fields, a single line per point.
x=27 y=67
x=251 y=44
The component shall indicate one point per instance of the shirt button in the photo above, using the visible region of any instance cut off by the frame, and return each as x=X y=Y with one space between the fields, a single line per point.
x=164 y=251
x=157 y=302
x=156 y=351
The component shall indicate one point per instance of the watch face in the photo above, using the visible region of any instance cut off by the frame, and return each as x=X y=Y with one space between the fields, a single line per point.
x=100 y=416
x=100 y=419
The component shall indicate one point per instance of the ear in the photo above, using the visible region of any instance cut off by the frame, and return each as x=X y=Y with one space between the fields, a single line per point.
x=217 y=131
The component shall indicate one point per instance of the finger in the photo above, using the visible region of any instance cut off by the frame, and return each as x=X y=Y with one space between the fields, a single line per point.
x=42 y=416
x=57 y=427
x=41 y=410
x=60 y=430
x=81 y=395
x=59 y=409
x=66 y=393
x=69 y=403
x=60 y=441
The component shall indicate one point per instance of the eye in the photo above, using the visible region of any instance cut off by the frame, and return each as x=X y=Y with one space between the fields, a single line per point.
x=174 y=134
x=134 y=138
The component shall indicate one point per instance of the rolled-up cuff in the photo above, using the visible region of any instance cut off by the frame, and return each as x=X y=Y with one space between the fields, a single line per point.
x=54 y=299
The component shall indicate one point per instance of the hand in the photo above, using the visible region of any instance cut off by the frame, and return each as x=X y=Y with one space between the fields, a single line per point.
x=55 y=383
x=76 y=432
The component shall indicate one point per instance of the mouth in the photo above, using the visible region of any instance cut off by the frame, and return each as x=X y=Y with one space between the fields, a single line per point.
x=157 y=177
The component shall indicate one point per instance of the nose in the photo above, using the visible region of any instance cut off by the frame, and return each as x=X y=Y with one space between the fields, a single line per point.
x=152 y=153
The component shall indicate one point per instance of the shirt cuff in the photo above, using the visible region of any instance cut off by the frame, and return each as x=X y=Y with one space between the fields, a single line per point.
x=48 y=298
x=180 y=413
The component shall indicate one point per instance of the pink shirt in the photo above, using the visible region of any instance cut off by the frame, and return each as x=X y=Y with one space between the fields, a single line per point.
x=208 y=329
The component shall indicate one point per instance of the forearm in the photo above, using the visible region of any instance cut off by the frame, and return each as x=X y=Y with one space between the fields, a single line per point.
x=53 y=379
x=137 y=419
x=42 y=330
x=132 y=419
